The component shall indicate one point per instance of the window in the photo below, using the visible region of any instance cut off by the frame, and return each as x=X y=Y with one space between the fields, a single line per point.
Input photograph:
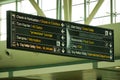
x=77 y=13
x=90 y=4
x=4 y=8
x=103 y=14
x=49 y=8
x=51 y=13
x=48 y=4
x=117 y=10
x=75 y=2
x=100 y=20
x=26 y=7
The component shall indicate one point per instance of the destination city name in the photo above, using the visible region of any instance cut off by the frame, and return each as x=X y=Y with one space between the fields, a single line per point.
x=43 y=21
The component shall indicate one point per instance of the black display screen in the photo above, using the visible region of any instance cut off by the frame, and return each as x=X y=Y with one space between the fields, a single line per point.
x=51 y=36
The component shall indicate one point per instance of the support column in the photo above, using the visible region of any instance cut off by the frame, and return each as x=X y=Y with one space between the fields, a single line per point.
x=95 y=65
x=99 y=78
x=16 y=5
x=67 y=10
x=10 y=74
x=59 y=9
x=111 y=11
x=85 y=11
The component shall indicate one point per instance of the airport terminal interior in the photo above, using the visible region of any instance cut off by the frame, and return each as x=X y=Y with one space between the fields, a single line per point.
x=59 y=40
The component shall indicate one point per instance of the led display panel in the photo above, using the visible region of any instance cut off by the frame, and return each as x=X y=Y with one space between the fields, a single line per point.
x=50 y=36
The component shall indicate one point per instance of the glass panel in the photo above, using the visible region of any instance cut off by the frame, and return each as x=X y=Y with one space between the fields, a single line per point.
x=77 y=2
x=3 y=27
x=6 y=7
x=26 y=7
x=19 y=6
x=48 y=4
x=51 y=14
x=77 y=12
x=100 y=21
x=91 y=5
x=117 y=6
x=3 y=37
x=118 y=18
x=104 y=9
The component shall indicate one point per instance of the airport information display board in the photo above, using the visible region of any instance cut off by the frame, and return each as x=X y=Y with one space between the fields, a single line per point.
x=51 y=36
